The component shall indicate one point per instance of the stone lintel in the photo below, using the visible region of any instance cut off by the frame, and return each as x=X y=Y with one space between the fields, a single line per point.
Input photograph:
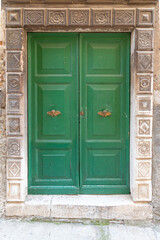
x=17 y=2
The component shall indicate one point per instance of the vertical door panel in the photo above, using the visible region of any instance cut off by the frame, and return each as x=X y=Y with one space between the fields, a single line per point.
x=104 y=79
x=53 y=140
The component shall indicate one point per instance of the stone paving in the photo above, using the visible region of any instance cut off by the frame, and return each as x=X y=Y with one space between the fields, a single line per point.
x=12 y=229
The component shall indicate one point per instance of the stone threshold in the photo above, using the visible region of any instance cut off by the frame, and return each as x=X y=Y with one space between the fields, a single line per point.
x=111 y=207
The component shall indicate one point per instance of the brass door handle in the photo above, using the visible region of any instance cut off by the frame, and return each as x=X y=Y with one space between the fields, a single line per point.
x=54 y=113
x=104 y=113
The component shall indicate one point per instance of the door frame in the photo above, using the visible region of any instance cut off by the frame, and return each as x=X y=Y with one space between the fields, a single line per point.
x=141 y=87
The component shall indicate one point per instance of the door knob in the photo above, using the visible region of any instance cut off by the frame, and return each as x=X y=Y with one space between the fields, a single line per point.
x=81 y=113
x=54 y=113
x=104 y=113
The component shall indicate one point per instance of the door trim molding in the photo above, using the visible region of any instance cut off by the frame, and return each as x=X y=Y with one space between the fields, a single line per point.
x=140 y=22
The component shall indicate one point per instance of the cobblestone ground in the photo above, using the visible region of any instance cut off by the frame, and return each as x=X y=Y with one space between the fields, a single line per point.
x=37 y=230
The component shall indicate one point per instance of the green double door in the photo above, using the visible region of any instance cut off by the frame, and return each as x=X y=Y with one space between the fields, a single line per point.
x=78 y=113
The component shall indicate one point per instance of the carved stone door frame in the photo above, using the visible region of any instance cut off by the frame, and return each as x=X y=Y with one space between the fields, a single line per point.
x=140 y=22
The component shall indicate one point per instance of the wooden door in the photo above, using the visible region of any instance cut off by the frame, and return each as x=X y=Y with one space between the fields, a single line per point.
x=71 y=73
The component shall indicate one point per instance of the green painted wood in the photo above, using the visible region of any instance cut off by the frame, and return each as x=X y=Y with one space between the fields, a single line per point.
x=55 y=164
x=53 y=141
x=104 y=85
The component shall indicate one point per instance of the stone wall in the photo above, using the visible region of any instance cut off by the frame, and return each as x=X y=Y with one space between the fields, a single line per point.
x=2 y=117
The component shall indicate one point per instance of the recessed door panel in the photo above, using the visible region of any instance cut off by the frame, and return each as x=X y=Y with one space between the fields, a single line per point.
x=106 y=166
x=55 y=166
x=103 y=58
x=53 y=57
x=103 y=97
x=57 y=97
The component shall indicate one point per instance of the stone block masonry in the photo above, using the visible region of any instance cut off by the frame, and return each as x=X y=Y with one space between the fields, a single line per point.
x=2 y=117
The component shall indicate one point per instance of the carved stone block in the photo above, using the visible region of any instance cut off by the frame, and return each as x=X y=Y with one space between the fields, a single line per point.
x=13 y=61
x=13 y=17
x=79 y=17
x=144 y=148
x=13 y=39
x=144 y=83
x=14 y=147
x=145 y=62
x=144 y=127
x=56 y=17
x=33 y=17
x=144 y=39
x=144 y=169
x=101 y=17
x=144 y=105
x=144 y=191
x=14 y=190
x=123 y=17
x=145 y=17
x=14 y=104
x=14 y=125
x=13 y=83
x=13 y=169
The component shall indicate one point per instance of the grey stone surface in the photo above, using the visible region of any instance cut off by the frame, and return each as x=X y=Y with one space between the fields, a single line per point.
x=145 y=17
x=56 y=17
x=145 y=62
x=33 y=17
x=82 y=16
x=144 y=39
x=2 y=99
x=156 y=161
x=14 y=127
x=13 y=39
x=79 y=206
x=123 y=17
x=13 y=83
x=14 y=146
x=101 y=17
x=83 y=230
x=2 y=117
x=79 y=17
x=14 y=103
x=14 y=61
x=76 y=1
x=14 y=17
x=144 y=84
